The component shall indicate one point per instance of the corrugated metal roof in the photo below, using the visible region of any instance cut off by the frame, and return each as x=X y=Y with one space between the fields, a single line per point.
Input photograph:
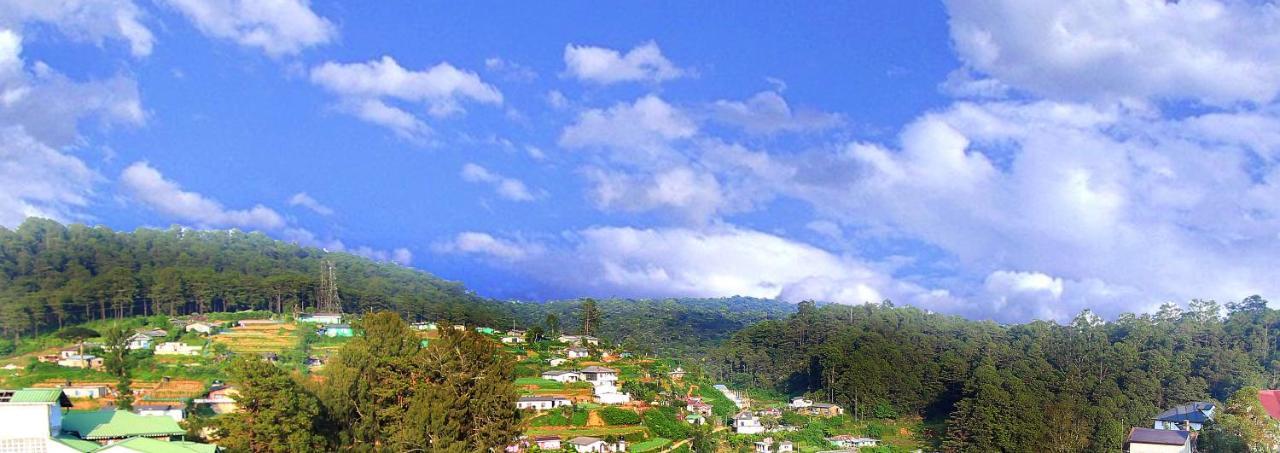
x=145 y=445
x=1158 y=436
x=35 y=396
x=94 y=425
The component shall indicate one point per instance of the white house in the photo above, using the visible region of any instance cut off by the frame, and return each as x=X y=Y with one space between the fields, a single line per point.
x=32 y=418
x=176 y=348
x=786 y=447
x=557 y=361
x=425 y=326
x=747 y=423
x=175 y=411
x=677 y=374
x=562 y=376
x=577 y=353
x=800 y=403
x=547 y=443
x=91 y=391
x=847 y=441
x=598 y=374
x=139 y=341
x=512 y=339
x=1151 y=440
x=321 y=318
x=81 y=361
x=596 y=445
x=200 y=327
x=579 y=339
x=542 y=403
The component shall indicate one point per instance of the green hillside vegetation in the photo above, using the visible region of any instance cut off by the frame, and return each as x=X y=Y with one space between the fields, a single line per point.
x=1013 y=387
x=53 y=275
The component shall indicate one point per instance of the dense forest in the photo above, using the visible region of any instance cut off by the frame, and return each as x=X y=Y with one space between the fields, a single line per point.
x=669 y=327
x=1039 y=386
x=53 y=275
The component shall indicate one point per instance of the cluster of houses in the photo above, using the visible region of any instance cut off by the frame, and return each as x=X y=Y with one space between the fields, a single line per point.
x=143 y=339
x=38 y=420
x=580 y=444
x=604 y=382
x=1174 y=430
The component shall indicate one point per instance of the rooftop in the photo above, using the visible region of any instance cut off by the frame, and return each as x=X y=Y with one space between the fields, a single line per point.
x=147 y=445
x=1158 y=436
x=584 y=441
x=93 y=425
x=1197 y=412
x=598 y=369
x=35 y=396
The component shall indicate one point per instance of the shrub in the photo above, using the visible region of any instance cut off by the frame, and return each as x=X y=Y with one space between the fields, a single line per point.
x=662 y=422
x=613 y=416
x=884 y=410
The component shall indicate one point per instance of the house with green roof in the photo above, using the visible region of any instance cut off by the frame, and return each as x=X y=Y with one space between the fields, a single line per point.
x=107 y=426
x=31 y=417
x=148 y=445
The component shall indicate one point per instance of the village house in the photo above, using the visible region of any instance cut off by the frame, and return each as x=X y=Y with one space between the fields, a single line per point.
x=337 y=330
x=82 y=361
x=176 y=348
x=596 y=445
x=695 y=419
x=562 y=376
x=677 y=374
x=577 y=353
x=805 y=406
x=582 y=340
x=425 y=326
x=321 y=318
x=512 y=339
x=747 y=423
x=1186 y=417
x=695 y=405
x=516 y=333
x=89 y=391
x=148 y=445
x=1151 y=440
x=557 y=361
x=542 y=403
x=848 y=441
x=546 y=443
x=786 y=446
x=221 y=399
x=200 y=327
x=32 y=419
x=105 y=427
x=139 y=341
x=172 y=410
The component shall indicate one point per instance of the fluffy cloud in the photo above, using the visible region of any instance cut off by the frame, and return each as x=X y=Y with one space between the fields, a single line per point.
x=1217 y=52
x=365 y=89
x=717 y=261
x=93 y=21
x=507 y=188
x=302 y=236
x=277 y=27
x=146 y=185
x=767 y=112
x=606 y=66
x=40 y=110
x=306 y=201
x=646 y=125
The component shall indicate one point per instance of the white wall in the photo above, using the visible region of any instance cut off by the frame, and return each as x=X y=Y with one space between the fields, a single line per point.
x=27 y=420
x=1149 y=448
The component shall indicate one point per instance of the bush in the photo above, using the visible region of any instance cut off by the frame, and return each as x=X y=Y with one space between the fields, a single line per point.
x=613 y=416
x=662 y=422
x=650 y=445
x=884 y=410
x=579 y=418
x=876 y=430
x=551 y=419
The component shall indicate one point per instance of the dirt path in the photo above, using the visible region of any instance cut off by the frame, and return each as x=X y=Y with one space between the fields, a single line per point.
x=594 y=420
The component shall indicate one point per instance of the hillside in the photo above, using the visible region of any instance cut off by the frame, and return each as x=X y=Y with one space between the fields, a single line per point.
x=53 y=275
x=672 y=327
x=1011 y=388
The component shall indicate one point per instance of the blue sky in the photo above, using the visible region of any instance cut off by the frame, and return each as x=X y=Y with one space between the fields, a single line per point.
x=1009 y=160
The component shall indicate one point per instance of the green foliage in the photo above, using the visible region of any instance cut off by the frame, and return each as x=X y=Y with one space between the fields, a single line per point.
x=665 y=422
x=876 y=430
x=454 y=395
x=1011 y=387
x=53 y=275
x=649 y=445
x=613 y=416
x=276 y=413
x=117 y=362
x=720 y=404
x=540 y=382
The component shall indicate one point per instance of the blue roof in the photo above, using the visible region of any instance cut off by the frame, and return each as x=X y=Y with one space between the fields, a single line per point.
x=1197 y=412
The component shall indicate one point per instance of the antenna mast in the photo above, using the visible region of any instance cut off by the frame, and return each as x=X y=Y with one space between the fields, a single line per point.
x=327 y=300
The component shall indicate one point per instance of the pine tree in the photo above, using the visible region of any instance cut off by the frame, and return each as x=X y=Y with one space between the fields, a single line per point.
x=590 y=314
x=276 y=413
x=117 y=362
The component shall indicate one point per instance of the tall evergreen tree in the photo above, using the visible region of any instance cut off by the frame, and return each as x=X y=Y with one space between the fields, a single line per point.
x=276 y=414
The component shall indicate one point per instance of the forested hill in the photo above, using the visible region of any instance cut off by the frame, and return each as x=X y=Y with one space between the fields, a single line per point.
x=673 y=327
x=51 y=275
x=1031 y=387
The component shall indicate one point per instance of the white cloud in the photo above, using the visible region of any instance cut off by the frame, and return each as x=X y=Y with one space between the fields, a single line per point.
x=277 y=27
x=40 y=110
x=646 y=125
x=146 y=185
x=606 y=66
x=695 y=194
x=306 y=201
x=93 y=21
x=1217 y=52
x=304 y=237
x=510 y=70
x=507 y=188
x=767 y=112
x=365 y=90
x=678 y=262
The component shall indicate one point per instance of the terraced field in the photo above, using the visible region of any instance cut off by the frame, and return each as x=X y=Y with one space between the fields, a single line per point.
x=259 y=339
